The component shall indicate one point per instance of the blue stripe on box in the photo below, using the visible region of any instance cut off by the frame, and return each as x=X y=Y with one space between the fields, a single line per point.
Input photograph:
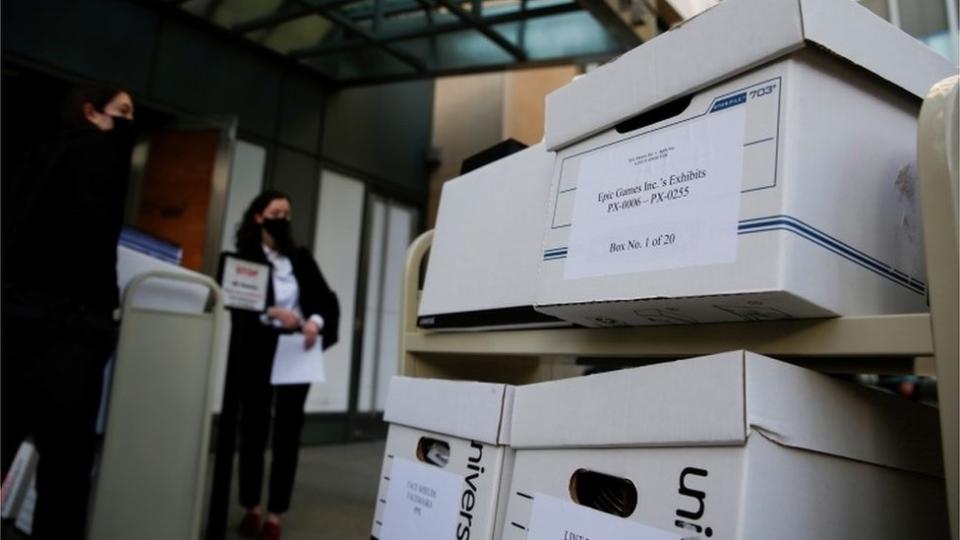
x=804 y=230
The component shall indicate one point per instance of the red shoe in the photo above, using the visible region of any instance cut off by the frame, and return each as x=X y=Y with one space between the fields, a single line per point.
x=250 y=525
x=270 y=531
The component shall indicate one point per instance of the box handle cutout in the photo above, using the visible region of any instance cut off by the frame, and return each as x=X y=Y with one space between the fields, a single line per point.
x=658 y=114
x=433 y=452
x=611 y=494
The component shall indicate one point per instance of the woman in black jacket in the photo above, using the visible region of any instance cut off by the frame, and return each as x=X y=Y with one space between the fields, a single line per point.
x=61 y=219
x=299 y=300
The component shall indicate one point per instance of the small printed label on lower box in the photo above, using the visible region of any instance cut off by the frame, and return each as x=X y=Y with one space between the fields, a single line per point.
x=423 y=501
x=668 y=199
x=556 y=519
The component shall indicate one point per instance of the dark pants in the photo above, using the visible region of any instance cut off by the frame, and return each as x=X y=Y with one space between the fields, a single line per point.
x=257 y=398
x=51 y=390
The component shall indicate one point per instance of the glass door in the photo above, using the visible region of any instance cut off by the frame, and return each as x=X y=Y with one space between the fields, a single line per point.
x=391 y=228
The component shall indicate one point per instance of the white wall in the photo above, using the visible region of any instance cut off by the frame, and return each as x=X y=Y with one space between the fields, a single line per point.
x=391 y=231
x=337 y=250
x=371 y=313
x=401 y=226
x=246 y=181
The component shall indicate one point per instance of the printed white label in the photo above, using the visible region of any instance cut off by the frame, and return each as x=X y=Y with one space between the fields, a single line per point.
x=668 y=199
x=423 y=501
x=556 y=519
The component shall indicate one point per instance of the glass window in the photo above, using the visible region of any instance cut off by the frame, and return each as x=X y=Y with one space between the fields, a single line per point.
x=337 y=249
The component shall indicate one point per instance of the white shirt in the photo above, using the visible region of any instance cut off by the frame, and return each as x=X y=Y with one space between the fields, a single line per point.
x=286 y=290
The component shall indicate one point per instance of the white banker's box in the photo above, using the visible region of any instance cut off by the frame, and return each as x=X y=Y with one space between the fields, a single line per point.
x=482 y=269
x=730 y=446
x=446 y=460
x=769 y=175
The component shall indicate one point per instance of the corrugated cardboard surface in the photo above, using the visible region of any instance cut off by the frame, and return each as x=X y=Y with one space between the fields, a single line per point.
x=759 y=491
x=726 y=40
x=691 y=402
x=803 y=409
x=717 y=400
x=654 y=472
x=821 y=228
x=487 y=240
x=468 y=410
x=488 y=469
x=791 y=494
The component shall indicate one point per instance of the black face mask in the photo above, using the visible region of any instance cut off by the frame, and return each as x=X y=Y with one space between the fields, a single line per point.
x=123 y=132
x=279 y=230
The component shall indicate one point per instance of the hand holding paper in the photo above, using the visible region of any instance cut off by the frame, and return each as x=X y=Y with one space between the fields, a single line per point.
x=310 y=332
x=295 y=364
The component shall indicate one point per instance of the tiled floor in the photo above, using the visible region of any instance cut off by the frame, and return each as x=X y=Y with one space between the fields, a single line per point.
x=333 y=498
x=334 y=495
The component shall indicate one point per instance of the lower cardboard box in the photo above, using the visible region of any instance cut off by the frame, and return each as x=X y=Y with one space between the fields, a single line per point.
x=437 y=486
x=729 y=446
x=446 y=461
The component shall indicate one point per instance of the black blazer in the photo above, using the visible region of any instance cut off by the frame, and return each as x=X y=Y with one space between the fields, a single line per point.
x=62 y=214
x=315 y=297
x=65 y=218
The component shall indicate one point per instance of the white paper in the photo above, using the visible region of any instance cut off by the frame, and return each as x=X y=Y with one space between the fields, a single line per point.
x=18 y=480
x=294 y=365
x=244 y=284
x=24 y=520
x=556 y=519
x=666 y=199
x=423 y=502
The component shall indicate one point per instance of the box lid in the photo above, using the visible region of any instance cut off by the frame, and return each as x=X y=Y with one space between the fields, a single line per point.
x=489 y=236
x=728 y=39
x=467 y=410
x=722 y=400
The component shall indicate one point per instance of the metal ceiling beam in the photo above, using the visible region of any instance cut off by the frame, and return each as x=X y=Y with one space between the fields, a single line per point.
x=170 y=12
x=390 y=9
x=340 y=20
x=432 y=30
x=281 y=15
x=286 y=13
x=618 y=28
x=522 y=33
x=432 y=49
x=378 y=6
x=427 y=11
x=481 y=26
x=212 y=9
x=365 y=80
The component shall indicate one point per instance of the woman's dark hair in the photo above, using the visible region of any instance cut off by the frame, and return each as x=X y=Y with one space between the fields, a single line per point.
x=95 y=93
x=249 y=239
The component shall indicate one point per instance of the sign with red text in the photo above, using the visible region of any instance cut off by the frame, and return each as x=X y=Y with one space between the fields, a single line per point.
x=244 y=284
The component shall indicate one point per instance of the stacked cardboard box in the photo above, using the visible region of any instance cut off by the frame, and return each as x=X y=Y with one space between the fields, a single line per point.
x=446 y=460
x=485 y=252
x=728 y=446
x=754 y=163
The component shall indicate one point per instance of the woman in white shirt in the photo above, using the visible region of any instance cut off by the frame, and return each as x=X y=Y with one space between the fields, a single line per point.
x=299 y=300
